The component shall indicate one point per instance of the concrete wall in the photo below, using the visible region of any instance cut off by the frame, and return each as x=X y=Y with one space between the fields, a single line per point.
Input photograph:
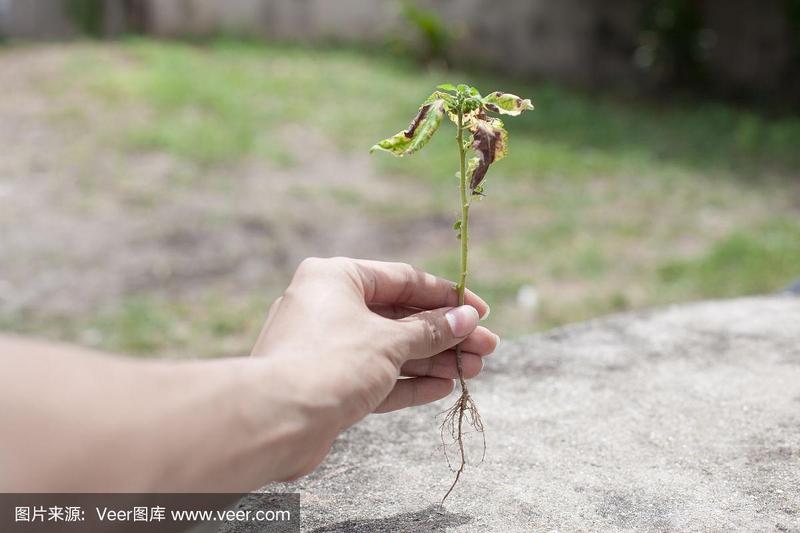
x=534 y=37
x=49 y=19
x=589 y=42
x=40 y=19
x=312 y=20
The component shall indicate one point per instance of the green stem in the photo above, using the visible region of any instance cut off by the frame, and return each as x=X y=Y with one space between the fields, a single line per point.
x=462 y=282
x=463 y=401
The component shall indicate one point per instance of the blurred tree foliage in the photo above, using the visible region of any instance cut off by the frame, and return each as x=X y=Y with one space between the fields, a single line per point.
x=88 y=16
x=434 y=33
x=673 y=44
x=792 y=8
x=676 y=38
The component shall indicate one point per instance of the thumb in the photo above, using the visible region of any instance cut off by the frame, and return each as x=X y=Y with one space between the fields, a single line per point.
x=430 y=332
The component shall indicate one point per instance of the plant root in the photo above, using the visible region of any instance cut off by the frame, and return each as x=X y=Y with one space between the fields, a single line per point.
x=464 y=411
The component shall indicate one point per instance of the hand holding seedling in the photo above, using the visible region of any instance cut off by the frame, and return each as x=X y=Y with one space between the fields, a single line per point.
x=469 y=110
x=345 y=330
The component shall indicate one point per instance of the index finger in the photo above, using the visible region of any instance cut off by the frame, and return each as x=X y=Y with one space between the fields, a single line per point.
x=402 y=284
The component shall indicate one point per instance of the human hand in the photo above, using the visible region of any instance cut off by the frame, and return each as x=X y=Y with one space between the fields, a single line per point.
x=346 y=330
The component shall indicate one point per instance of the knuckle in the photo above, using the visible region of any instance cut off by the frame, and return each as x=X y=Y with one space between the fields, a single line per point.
x=292 y=294
x=310 y=264
x=407 y=289
x=317 y=265
x=275 y=304
x=407 y=267
x=433 y=333
x=410 y=279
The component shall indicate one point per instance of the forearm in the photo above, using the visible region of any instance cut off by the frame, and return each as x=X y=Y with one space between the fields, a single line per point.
x=80 y=421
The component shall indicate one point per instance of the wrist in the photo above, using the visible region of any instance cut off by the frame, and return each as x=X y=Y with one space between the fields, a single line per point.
x=291 y=423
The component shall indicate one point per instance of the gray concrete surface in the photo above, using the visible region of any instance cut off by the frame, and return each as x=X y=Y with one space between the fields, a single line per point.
x=684 y=419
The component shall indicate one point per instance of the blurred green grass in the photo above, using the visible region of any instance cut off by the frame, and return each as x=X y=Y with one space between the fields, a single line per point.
x=149 y=324
x=605 y=203
x=230 y=99
x=745 y=262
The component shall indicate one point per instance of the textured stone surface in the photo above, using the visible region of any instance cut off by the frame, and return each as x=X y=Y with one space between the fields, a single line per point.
x=686 y=418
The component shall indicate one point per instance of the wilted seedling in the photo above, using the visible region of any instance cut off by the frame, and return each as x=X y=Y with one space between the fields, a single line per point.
x=465 y=106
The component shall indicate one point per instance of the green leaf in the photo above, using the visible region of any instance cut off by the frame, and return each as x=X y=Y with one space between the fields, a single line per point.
x=457 y=225
x=447 y=87
x=419 y=132
x=490 y=141
x=439 y=95
x=506 y=103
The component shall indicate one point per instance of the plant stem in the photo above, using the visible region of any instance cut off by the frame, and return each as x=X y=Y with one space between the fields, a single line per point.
x=464 y=236
x=464 y=400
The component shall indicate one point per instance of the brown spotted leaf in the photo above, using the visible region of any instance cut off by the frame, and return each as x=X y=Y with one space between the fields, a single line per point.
x=506 y=103
x=419 y=132
x=490 y=141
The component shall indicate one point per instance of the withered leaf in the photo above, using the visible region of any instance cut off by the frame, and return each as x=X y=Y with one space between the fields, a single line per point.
x=490 y=141
x=419 y=132
x=506 y=103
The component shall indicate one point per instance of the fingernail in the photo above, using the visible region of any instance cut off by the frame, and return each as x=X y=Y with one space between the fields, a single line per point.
x=485 y=315
x=462 y=320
